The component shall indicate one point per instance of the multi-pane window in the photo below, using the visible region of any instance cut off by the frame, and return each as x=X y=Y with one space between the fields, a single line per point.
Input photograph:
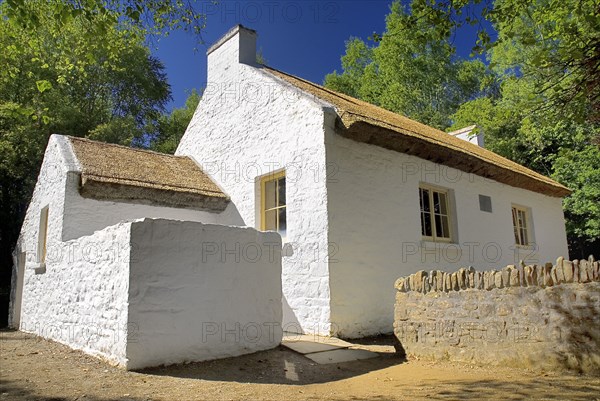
x=273 y=204
x=435 y=214
x=519 y=217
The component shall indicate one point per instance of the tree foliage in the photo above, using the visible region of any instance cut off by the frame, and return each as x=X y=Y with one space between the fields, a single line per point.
x=59 y=77
x=541 y=116
x=557 y=42
x=150 y=16
x=410 y=71
x=169 y=128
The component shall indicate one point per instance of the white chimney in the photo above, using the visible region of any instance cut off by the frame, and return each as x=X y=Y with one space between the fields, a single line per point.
x=467 y=134
x=237 y=46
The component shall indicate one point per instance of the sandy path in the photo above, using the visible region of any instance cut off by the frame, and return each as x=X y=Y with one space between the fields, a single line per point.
x=36 y=369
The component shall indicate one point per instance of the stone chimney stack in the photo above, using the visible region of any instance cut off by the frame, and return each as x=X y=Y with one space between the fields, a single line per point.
x=466 y=134
x=237 y=46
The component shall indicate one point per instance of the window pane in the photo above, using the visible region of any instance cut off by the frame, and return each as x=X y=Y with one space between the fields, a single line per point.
x=439 y=231
x=270 y=195
x=425 y=200
x=522 y=219
x=436 y=202
x=515 y=226
x=426 y=224
x=445 y=228
x=281 y=190
x=271 y=220
x=524 y=240
x=282 y=222
x=443 y=203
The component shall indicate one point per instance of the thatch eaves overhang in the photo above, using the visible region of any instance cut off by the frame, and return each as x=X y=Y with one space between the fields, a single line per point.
x=366 y=123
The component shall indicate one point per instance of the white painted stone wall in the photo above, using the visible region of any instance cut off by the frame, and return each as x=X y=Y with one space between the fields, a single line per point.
x=154 y=292
x=249 y=124
x=374 y=218
x=80 y=298
x=83 y=216
x=80 y=295
x=202 y=291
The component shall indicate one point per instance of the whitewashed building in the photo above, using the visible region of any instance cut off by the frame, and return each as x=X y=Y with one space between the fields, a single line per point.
x=359 y=183
x=126 y=254
x=359 y=195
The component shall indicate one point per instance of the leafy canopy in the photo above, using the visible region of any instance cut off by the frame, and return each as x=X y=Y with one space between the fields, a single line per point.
x=59 y=76
x=410 y=71
x=555 y=41
x=158 y=17
x=541 y=116
x=169 y=128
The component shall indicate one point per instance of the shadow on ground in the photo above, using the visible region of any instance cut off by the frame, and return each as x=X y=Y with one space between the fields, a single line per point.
x=282 y=366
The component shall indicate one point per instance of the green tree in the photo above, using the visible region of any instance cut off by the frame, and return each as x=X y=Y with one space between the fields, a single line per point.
x=150 y=16
x=58 y=78
x=414 y=72
x=580 y=170
x=555 y=41
x=530 y=120
x=169 y=128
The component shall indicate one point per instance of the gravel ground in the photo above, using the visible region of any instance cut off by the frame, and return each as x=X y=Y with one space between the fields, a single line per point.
x=35 y=369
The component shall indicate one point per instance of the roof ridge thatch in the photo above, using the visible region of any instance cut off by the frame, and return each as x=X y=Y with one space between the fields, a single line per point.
x=355 y=114
x=102 y=143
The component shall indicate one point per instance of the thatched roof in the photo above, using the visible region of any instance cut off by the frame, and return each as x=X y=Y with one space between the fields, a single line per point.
x=364 y=122
x=120 y=173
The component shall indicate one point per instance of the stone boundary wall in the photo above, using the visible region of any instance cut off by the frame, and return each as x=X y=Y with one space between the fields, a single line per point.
x=544 y=317
x=564 y=271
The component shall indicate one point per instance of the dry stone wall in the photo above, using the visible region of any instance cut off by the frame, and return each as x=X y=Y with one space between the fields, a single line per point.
x=539 y=316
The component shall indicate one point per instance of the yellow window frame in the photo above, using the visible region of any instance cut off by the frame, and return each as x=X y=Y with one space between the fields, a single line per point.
x=263 y=209
x=434 y=237
x=43 y=234
x=519 y=228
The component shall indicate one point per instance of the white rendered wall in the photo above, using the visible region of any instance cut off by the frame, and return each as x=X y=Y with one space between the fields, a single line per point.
x=79 y=297
x=200 y=292
x=247 y=125
x=83 y=286
x=374 y=219
x=83 y=216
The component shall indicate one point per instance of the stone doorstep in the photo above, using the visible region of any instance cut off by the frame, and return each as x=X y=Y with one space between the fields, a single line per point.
x=333 y=341
x=309 y=347
x=325 y=350
x=341 y=355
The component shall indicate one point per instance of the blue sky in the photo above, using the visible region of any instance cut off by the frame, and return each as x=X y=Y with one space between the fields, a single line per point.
x=304 y=37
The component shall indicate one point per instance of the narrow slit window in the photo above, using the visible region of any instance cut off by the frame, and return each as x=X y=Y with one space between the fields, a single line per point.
x=43 y=235
x=273 y=203
x=435 y=214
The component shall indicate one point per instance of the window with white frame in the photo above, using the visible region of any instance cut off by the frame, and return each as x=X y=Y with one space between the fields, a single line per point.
x=435 y=214
x=273 y=203
x=520 y=225
x=43 y=235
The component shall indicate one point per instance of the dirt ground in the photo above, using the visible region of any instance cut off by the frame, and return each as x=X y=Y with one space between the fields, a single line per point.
x=35 y=369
